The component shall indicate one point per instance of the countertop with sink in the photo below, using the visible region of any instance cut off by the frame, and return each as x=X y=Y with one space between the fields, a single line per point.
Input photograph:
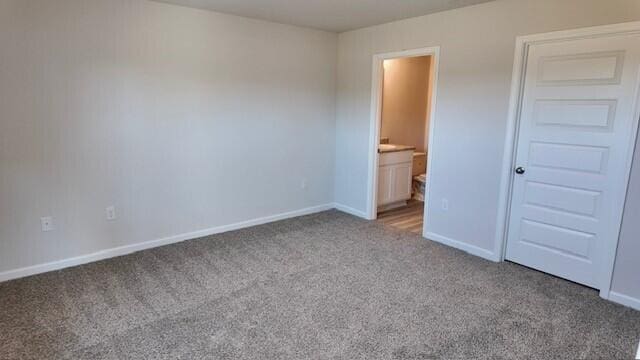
x=387 y=148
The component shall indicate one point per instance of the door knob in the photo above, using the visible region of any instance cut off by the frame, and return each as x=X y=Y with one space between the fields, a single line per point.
x=519 y=170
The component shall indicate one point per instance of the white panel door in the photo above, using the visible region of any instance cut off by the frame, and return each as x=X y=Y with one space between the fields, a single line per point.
x=576 y=131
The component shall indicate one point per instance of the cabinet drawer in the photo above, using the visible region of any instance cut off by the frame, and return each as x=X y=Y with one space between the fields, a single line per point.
x=397 y=157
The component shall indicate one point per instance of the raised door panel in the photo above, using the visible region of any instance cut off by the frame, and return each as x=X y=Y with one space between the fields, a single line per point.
x=402 y=182
x=385 y=181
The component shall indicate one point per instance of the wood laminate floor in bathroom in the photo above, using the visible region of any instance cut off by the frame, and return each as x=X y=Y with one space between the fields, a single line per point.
x=407 y=218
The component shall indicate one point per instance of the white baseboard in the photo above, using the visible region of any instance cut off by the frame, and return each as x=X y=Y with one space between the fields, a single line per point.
x=471 y=249
x=128 y=249
x=624 y=300
x=350 y=210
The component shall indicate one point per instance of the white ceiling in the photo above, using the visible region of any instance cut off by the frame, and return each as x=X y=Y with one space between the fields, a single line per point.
x=329 y=15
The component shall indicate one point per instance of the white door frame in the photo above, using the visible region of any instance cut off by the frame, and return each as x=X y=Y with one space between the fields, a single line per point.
x=517 y=86
x=376 y=121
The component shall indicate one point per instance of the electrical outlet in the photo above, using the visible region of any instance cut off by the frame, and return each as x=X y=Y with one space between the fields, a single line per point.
x=111 y=213
x=445 y=205
x=47 y=223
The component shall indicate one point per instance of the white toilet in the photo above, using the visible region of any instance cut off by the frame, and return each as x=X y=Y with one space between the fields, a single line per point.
x=419 y=175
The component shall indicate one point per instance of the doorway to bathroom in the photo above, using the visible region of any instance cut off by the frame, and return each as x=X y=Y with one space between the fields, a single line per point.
x=403 y=104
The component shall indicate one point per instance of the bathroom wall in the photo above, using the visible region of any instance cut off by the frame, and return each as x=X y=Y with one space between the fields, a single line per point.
x=187 y=121
x=405 y=100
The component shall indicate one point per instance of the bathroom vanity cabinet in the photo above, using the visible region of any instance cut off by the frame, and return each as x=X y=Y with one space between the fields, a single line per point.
x=394 y=177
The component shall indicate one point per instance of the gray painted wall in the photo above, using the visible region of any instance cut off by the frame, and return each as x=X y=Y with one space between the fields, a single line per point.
x=183 y=119
x=626 y=275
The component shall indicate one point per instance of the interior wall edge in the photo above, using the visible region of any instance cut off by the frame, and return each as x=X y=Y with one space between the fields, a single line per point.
x=464 y=246
x=351 y=211
x=625 y=300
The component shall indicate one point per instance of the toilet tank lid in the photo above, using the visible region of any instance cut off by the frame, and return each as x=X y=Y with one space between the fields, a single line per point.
x=421 y=178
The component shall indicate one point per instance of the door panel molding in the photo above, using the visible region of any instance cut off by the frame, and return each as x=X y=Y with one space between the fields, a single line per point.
x=577 y=69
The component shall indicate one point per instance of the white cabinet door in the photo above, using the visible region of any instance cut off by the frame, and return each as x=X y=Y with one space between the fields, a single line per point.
x=401 y=182
x=576 y=127
x=385 y=182
x=394 y=183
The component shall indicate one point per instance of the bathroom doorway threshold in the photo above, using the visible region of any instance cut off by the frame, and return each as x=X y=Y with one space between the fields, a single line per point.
x=408 y=218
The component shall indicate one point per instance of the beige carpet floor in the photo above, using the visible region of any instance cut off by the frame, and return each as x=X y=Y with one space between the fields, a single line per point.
x=325 y=286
